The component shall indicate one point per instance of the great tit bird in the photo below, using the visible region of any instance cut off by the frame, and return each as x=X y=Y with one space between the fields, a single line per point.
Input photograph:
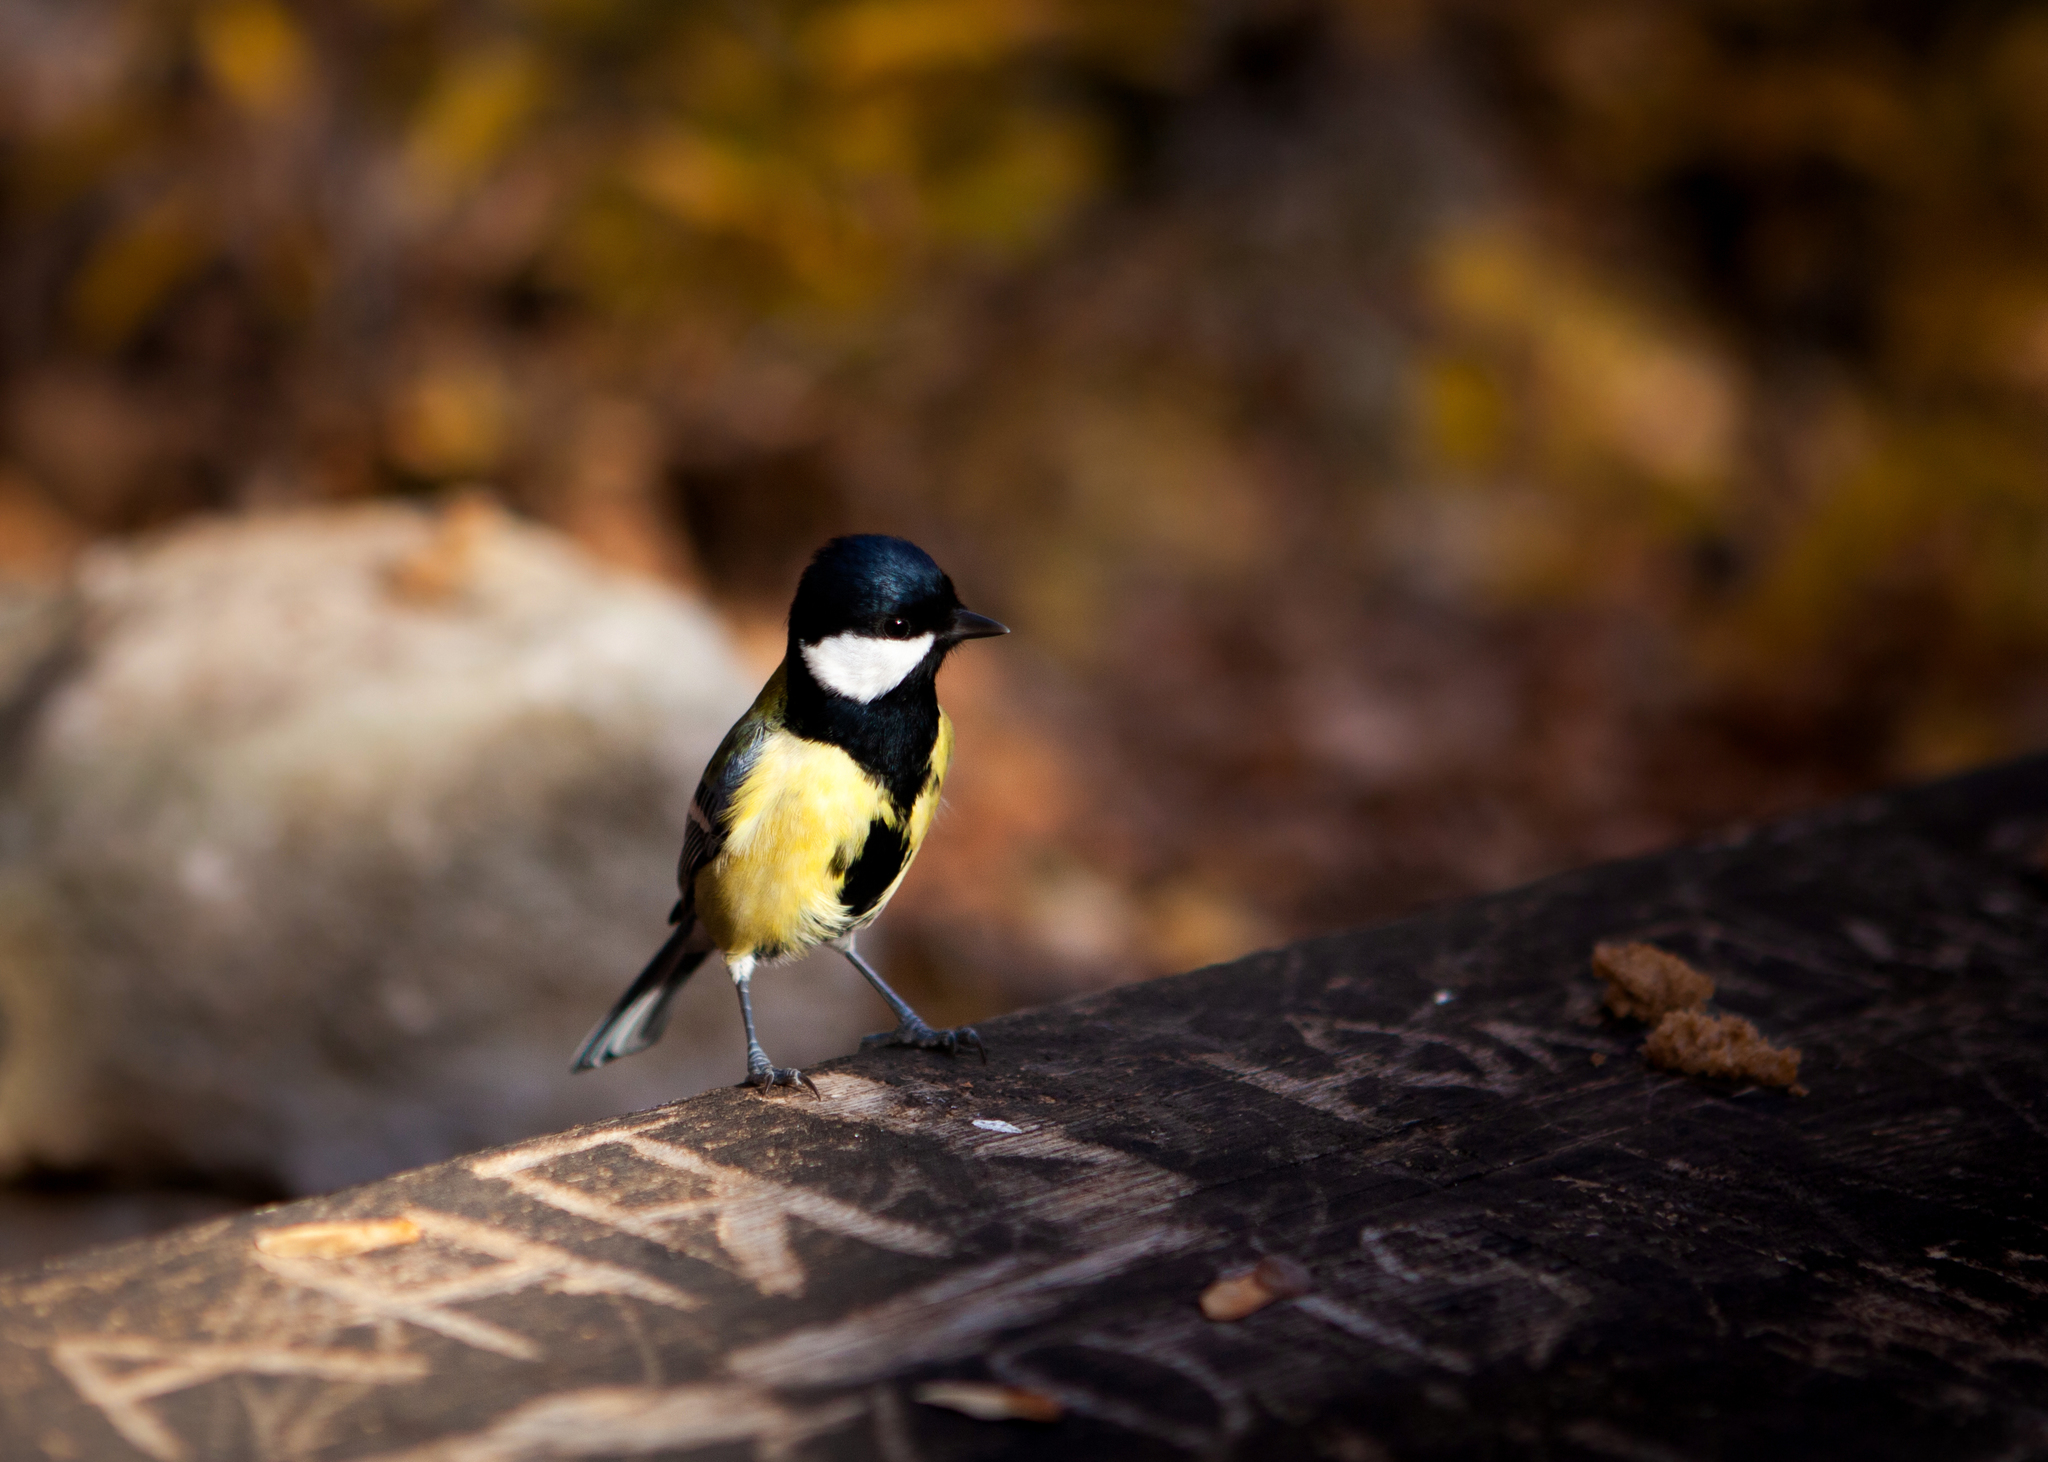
x=817 y=800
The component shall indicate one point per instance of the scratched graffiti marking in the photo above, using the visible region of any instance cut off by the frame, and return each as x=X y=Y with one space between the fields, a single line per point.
x=953 y=1315
x=1407 y=1057
x=1532 y=1309
x=1380 y=1331
x=750 y=1215
x=461 y=1262
x=1104 y=1195
x=1169 y=1346
x=613 y=1421
x=121 y=1374
x=1416 y=1057
x=1323 y=1093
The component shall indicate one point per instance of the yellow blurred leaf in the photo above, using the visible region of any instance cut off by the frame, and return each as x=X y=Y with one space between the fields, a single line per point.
x=1484 y=276
x=475 y=112
x=1941 y=532
x=132 y=269
x=873 y=40
x=253 y=51
x=724 y=77
x=1020 y=186
x=819 y=244
x=576 y=13
x=1465 y=413
x=451 y=421
x=705 y=182
x=1613 y=378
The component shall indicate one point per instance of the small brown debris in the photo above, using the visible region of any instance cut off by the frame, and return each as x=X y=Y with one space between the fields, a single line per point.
x=337 y=1240
x=985 y=1401
x=1247 y=1291
x=1644 y=982
x=1720 y=1045
x=1598 y=1058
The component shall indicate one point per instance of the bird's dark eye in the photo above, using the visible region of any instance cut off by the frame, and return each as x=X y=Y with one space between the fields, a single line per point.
x=897 y=629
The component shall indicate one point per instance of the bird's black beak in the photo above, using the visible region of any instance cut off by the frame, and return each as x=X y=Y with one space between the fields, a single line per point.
x=967 y=625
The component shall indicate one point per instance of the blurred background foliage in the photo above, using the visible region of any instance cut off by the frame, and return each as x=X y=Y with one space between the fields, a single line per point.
x=1420 y=444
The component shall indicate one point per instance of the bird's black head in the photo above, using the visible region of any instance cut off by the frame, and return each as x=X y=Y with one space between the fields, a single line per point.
x=870 y=609
x=871 y=585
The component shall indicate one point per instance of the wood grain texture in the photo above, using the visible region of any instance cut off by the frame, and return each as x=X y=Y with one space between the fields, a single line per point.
x=1514 y=1251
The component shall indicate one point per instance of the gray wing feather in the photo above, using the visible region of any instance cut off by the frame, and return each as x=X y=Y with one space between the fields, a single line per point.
x=705 y=835
x=638 y=1018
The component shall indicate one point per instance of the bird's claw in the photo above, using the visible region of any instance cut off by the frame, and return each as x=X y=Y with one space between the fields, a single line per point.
x=918 y=1035
x=768 y=1077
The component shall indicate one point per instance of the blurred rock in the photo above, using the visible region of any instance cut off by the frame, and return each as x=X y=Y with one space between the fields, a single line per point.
x=328 y=835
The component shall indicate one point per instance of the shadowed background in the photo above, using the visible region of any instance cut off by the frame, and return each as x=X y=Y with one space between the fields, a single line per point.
x=1420 y=446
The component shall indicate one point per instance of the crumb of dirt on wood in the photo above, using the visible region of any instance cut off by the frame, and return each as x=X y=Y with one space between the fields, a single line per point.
x=1598 y=1058
x=986 y=1402
x=337 y=1240
x=1644 y=982
x=1247 y=1291
x=1726 y=1046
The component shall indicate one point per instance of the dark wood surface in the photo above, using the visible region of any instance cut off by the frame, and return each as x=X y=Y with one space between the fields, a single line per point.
x=1515 y=1252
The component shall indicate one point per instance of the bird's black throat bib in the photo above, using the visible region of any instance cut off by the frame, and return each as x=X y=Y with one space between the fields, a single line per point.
x=891 y=736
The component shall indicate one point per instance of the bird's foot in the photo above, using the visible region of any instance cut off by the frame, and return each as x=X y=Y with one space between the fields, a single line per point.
x=766 y=1077
x=917 y=1034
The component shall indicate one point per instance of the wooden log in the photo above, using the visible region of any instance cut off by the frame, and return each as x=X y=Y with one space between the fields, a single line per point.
x=1515 y=1238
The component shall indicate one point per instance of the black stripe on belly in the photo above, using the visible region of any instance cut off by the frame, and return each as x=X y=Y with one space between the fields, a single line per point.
x=881 y=859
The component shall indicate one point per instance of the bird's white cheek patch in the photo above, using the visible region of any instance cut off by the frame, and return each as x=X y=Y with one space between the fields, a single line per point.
x=861 y=667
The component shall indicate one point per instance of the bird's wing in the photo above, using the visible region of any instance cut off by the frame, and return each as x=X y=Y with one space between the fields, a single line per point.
x=705 y=835
x=711 y=803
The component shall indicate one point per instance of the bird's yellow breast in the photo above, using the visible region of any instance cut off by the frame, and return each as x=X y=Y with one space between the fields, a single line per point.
x=796 y=824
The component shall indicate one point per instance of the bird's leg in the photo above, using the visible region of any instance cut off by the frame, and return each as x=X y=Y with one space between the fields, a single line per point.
x=911 y=1029
x=761 y=1071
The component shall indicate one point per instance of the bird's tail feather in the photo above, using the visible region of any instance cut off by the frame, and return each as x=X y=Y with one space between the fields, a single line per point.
x=640 y=1016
